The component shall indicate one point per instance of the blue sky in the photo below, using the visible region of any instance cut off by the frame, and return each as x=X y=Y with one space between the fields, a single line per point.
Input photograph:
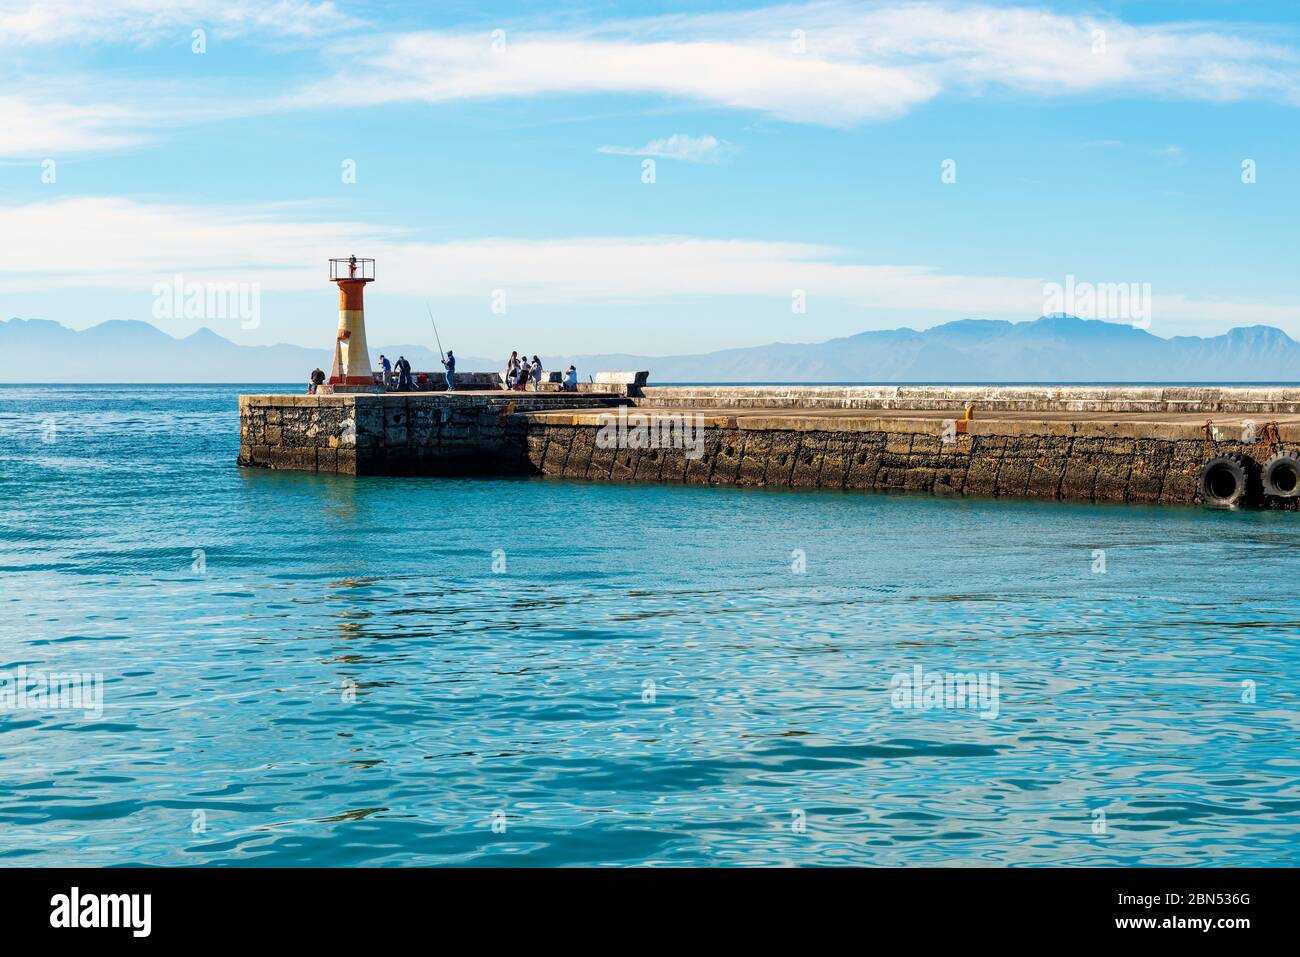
x=798 y=154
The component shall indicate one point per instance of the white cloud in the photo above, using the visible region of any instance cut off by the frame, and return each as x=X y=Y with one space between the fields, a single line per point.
x=103 y=242
x=99 y=243
x=679 y=146
x=831 y=64
x=51 y=113
x=38 y=129
x=36 y=22
x=79 y=114
x=747 y=74
x=835 y=64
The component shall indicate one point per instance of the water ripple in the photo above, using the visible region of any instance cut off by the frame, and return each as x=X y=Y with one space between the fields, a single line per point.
x=317 y=670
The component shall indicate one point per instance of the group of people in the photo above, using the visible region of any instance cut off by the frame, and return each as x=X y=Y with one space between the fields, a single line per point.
x=519 y=372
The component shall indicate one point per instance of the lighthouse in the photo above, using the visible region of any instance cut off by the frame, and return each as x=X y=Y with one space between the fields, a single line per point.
x=351 y=366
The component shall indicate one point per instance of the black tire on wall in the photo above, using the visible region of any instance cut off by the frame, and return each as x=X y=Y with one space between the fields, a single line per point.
x=1281 y=475
x=1224 y=481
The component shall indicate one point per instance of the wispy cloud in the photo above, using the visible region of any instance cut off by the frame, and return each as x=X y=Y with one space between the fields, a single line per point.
x=836 y=64
x=679 y=146
x=832 y=64
x=1171 y=154
x=747 y=74
x=73 y=115
x=40 y=22
x=35 y=128
x=78 y=243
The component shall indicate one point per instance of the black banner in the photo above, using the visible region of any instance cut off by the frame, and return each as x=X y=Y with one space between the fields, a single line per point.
x=331 y=907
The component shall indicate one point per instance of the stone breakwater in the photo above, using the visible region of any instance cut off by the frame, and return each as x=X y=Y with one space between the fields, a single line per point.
x=1074 y=446
x=395 y=433
x=886 y=455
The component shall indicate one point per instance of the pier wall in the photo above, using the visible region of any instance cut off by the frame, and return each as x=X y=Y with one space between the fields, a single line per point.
x=1081 y=445
x=392 y=433
x=890 y=457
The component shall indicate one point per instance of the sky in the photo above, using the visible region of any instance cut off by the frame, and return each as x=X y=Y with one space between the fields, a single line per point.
x=653 y=178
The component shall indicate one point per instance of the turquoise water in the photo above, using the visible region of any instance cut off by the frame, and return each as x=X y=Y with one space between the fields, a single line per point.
x=340 y=677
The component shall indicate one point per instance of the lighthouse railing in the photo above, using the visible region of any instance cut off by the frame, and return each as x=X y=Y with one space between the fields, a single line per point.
x=352 y=268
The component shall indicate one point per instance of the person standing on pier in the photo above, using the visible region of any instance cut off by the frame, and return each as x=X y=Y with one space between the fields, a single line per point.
x=521 y=377
x=536 y=374
x=450 y=363
x=512 y=370
x=387 y=367
x=403 y=374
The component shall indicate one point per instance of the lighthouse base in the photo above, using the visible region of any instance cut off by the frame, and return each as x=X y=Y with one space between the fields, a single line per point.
x=338 y=388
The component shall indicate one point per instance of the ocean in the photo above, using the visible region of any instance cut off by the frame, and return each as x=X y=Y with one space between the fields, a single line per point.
x=203 y=665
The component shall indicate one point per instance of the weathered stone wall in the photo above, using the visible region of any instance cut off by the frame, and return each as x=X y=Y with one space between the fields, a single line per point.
x=1133 y=458
x=306 y=433
x=1088 y=469
x=394 y=433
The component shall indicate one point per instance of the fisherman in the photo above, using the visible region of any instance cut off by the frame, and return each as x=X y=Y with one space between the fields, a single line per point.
x=537 y=374
x=387 y=368
x=450 y=363
x=317 y=377
x=571 y=380
x=403 y=374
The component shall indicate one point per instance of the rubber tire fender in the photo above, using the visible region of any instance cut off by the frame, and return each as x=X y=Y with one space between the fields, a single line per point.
x=1275 y=478
x=1222 y=481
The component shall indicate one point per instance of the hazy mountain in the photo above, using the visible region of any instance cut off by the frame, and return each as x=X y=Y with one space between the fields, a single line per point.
x=38 y=350
x=1049 y=349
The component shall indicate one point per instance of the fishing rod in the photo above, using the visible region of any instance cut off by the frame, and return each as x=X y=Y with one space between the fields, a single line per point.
x=435 y=333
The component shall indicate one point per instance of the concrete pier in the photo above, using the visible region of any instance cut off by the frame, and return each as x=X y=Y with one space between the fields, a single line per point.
x=1119 y=444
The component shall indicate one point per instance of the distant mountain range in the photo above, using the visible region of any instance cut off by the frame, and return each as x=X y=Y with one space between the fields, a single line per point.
x=1050 y=349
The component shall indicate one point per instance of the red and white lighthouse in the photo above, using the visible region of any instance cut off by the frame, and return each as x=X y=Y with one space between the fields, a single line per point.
x=351 y=365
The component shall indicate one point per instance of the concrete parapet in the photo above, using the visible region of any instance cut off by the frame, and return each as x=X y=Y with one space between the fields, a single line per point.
x=1192 y=399
x=637 y=379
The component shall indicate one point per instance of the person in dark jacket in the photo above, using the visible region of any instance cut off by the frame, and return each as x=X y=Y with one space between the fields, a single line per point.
x=317 y=377
x=450 y=363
